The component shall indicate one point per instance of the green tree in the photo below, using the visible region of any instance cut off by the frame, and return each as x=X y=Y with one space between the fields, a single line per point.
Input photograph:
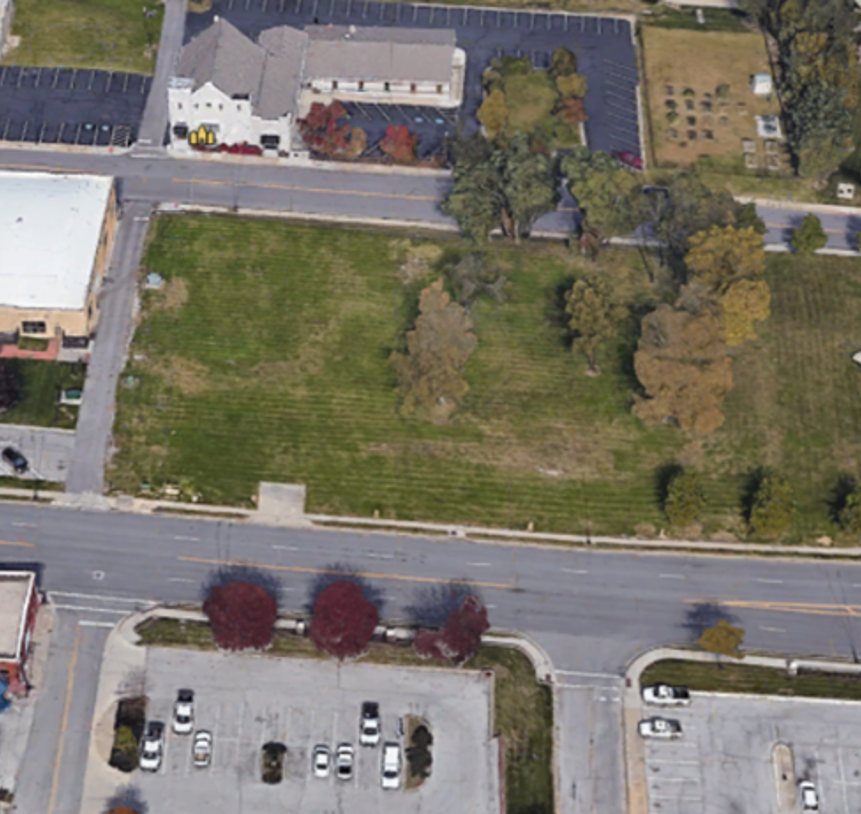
x=594 y=316
x=723 y=640
x=529 y=186
x=604 y=191
x=562 y=63
x=747 y=217
x=850 y=514
x=475 y=200
x=683 y=366
x=809 y=236
x=430 y=374
x=743 y=304
x=723 y=255
x=493 y=113
x=685 y=498
x=572 y=85
x=773 y=506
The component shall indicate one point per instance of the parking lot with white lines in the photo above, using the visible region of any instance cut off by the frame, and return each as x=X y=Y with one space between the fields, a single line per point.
x=246 y=701
x=724 y=762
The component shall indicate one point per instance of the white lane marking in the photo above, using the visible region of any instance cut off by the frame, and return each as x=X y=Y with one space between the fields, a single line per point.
x=185 y=537
x=490 y=607
x=102 y=597
x=90 y=610
x=180 y=579
x=574 y=571
x=24 y=525
x=373 y=555
x=285 y=548
x=671 y=576
x=770 y=581
x=91 y=623
x=289 y=590
x=587 y=675
x=772 y=629
x=479 y=564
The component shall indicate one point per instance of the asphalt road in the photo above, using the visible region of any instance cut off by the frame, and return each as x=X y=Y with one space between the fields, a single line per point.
x=842 y=230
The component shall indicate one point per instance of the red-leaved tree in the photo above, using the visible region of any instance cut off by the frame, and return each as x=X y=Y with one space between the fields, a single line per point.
x=344 y=620
x=242 y=615
x=323 y=133
x=459 y=640
x=399 y=145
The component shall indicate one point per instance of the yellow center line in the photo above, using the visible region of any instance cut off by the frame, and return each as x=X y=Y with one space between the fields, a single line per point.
x=70 y=683
x=299 y=569
x=314 y=190
x=810 y=608
x=790 y=226
x=18 y=543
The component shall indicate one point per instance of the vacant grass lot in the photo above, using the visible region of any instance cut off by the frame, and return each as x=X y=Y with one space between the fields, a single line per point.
x=747 y=678
x=266 y=359
x=114 y=35
x=40 y=384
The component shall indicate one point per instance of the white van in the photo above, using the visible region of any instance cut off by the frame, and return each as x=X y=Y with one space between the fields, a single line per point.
x=391 y=770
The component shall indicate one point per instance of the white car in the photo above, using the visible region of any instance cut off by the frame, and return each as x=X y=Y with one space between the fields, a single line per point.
x=183 y=712
x=390 y=777
x=663 y=695
x=322 y=761
x=369 y=728
x=202 y=749
x=809 y=796
x=660 y=729
x=344 y=761
x=152 y=747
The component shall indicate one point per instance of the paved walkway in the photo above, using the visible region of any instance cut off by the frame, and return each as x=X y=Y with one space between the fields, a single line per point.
x=113 y=335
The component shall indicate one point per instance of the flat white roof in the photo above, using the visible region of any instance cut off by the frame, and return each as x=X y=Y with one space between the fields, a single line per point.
x=15 y=587
x=50 y=227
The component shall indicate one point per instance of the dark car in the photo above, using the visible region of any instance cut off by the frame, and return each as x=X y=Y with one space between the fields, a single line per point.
x=15 y=459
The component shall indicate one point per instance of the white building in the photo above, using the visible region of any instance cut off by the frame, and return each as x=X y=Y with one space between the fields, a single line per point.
x=229 y=90
x=762 y=84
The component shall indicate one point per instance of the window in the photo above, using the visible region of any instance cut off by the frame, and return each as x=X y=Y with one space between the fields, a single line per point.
x=387 y=86
x=361 y=84
x=209 y=104
x=239 y=108
x=196 y=105
x=90 y=311
x=221 y=107
x=270 y=141
x=179 y=105
x=412 y=87
x=439 y=88
x=334 y=84
x=33 y=327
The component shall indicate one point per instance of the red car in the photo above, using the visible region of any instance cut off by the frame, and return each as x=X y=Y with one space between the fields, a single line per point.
x=629 y=159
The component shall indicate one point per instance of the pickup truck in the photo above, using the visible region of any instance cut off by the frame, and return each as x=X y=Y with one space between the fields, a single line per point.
x=663 y=695
x=660 y=729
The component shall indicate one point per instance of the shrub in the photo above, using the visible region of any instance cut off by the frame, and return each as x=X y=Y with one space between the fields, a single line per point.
x=574 y=84
x=399 y=145
x=685 y=499
x=125 y=750
x=493 y=113
x=343 y=621
x=722 y=91
x=460 y=639
x=850 y=514
x=242 y=615
x=562 y=63
x=773 y=506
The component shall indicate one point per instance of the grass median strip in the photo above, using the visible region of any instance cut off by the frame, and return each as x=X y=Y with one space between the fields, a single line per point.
x=523 y=709
x=752 y=679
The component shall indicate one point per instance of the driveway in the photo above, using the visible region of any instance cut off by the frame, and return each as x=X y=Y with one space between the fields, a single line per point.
x=49 y=452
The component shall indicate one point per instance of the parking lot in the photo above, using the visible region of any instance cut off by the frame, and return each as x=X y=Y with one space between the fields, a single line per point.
x=70 y=106
x=724 y=761
x=603 y=46
x=246 y=701
x=48 y=452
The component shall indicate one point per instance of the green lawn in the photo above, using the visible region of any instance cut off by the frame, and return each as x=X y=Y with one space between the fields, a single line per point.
x=265 y=359
x=113 y=35
x=747 y=678
x=40 y=384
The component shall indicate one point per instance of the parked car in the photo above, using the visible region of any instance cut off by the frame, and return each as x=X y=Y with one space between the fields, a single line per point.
x=15 y=459
x=202 y=749
x=322 y=761
x=152 y=747
x=809 y=796
x=344 y=761
x=663 y=695
x=660 y=728
x=183 y=712
x=391 y=769
x=369 y=727
x=629 y=160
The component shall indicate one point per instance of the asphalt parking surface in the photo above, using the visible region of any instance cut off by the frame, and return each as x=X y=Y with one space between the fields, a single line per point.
x=70 y=106
x=246 y=701
x=48 y=452
x=603 y=46
x=724 y=761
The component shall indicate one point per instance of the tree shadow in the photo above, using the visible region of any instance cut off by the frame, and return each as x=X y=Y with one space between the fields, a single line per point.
x=750 y=486
x=627 y=343
x=704 y=615
x=128 y=796
x=433 y=604
x=555 y=313
x=836 y=501
x=853 y=227
x=663 y=477
x=242 y=573
x=344 y=572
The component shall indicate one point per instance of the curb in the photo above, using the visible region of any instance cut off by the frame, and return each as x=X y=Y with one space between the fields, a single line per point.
x=777 y=203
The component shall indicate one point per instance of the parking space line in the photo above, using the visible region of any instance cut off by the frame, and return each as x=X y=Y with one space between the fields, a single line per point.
x=367 y=574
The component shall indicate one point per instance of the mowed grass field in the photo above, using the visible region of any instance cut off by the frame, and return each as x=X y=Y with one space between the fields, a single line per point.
x=114 y=35
x=265 y=358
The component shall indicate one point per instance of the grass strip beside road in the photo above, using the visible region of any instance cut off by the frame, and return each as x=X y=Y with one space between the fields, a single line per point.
x=523 y=709
x=751 y=679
